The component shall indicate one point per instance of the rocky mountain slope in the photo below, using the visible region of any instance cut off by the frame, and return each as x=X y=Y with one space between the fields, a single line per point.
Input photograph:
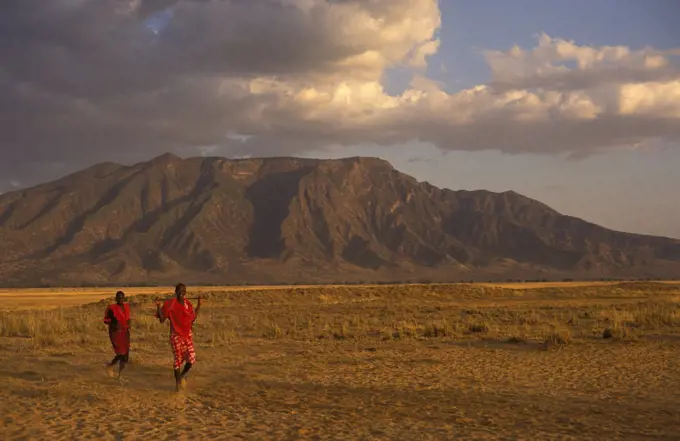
x=286 y=220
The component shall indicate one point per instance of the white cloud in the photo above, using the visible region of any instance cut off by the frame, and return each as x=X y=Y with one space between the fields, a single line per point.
x=542 y=106
x=561 y=64
x=660 y=99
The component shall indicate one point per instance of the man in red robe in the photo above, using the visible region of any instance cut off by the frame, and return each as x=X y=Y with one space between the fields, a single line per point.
x=182 y=315
x=117 y=317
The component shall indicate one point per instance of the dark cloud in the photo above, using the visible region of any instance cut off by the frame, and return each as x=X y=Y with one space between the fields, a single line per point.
x=84 y=81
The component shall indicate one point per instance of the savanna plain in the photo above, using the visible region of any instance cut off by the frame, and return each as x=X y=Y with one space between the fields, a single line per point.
x=535 y=362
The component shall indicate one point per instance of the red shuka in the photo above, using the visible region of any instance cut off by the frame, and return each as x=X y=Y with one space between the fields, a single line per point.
x=181 y=316
x=118 y=317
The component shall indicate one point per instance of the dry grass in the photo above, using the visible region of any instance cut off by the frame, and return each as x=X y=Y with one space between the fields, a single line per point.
x=26 y=298
x=413 y=362
x=344 y=313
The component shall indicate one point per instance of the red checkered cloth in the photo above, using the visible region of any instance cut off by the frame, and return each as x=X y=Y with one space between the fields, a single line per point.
x=182 y=350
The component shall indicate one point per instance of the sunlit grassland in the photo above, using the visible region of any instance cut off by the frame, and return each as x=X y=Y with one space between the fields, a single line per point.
x=453 y=312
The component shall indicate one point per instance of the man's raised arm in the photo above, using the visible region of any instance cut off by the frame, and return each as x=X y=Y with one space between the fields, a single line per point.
x=198 y=306
x=159 y=311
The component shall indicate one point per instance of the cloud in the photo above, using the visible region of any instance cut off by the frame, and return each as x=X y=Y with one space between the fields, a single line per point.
x=563 y=65
x=94 y=80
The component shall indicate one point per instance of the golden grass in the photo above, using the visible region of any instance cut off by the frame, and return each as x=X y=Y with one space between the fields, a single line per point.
x=347 y=362
x=26 y=298
x=536 y=285
x=407 y=311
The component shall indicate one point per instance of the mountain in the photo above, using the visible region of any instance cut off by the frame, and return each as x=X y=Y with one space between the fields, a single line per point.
x=288 y=220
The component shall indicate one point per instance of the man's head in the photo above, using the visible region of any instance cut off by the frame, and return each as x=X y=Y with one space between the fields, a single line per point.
x=180 y=291
x=120 y=297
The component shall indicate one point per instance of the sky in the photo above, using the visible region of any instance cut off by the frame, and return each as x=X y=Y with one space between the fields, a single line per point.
x=575 y=103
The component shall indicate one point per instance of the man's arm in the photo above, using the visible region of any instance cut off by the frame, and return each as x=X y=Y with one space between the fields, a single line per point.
x=159 y=312
x=196 y=310
x=198 y=307
x=110 y=320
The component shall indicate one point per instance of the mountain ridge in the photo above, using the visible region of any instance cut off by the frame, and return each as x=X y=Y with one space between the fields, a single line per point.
x=285 y=220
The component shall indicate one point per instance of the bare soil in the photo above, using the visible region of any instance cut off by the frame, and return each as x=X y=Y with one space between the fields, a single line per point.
x=361 y=363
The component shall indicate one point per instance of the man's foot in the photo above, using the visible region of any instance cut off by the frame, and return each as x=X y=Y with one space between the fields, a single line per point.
x=183 y=383
x=110 y=370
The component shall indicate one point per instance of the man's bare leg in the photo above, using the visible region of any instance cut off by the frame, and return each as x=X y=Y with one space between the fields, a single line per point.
x=178 y=379
x=110 y=367
x=182 y=380
x=121 y=366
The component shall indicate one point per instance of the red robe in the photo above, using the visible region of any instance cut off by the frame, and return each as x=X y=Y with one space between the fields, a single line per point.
x=118 y=319
x=181 y=317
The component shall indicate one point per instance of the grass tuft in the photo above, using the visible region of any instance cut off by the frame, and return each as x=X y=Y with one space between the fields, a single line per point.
x=438 y=328
x=480 y=328
x=558 y=338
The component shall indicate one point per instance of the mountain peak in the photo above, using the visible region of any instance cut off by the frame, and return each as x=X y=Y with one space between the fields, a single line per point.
x=367 y=161
x=165 y=158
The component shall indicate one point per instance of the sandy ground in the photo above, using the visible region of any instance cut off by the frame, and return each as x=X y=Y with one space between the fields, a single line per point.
x=458 y=387
x=346 y=391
